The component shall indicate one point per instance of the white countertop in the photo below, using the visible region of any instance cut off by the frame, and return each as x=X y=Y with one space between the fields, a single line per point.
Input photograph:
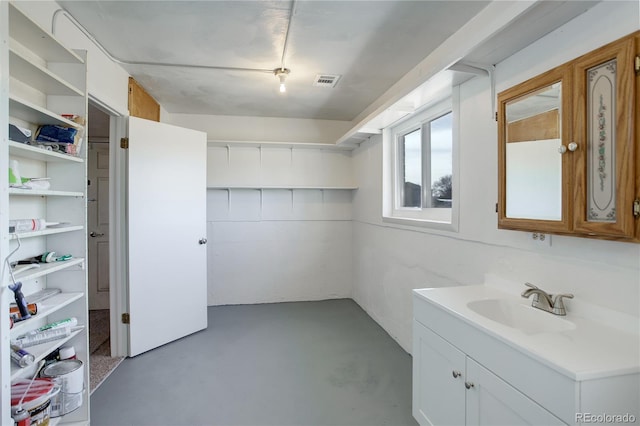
x=591 y=350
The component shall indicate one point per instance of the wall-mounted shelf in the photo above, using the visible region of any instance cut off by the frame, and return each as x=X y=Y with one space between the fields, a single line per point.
x=288 y=187
x=32 y=113
x=46 y=308
x=48 y=268
x=286 y=145
x=41 y=351
x=39 y=77
x=44 y=193
x=47 y=231
x=38 y=40
x=27 y=151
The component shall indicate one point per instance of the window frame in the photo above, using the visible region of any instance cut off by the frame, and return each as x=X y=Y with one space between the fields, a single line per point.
x=393 y=185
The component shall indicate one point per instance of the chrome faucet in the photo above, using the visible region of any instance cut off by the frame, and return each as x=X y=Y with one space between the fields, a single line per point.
x=545 y=301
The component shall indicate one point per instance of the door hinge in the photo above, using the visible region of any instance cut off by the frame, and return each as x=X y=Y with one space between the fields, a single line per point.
x=637 y=64
x=636 y=208
x=496 y=115
x=124 y=143
x=125 y=318
x=496 y=207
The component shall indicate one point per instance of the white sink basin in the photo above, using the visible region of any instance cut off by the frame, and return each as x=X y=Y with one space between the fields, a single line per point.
x=525 y=318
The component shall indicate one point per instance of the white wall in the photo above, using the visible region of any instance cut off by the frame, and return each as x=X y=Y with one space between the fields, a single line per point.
x=261 y=129
x=107 y=81
x=389 y=260
x=275 y=245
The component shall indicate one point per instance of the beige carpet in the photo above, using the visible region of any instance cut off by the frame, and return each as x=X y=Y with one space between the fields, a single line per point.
x=100 y=361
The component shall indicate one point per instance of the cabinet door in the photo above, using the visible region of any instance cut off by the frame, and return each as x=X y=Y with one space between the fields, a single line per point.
x=604 y=111
x=533 y=161
x=637 y=132
x=438 y=379
x=492 y=401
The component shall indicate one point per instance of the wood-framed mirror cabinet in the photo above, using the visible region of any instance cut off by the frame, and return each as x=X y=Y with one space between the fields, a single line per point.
x=568 y=147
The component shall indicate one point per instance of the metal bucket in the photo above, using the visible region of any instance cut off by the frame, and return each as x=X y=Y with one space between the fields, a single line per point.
x=69 y=375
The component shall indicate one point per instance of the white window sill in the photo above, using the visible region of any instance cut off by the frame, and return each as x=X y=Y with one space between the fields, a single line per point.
x=422 y=223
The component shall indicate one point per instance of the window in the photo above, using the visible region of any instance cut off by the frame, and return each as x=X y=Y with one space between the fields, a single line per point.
x=420 y=155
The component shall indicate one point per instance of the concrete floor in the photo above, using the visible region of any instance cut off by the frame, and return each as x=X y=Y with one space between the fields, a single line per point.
x=303 y=363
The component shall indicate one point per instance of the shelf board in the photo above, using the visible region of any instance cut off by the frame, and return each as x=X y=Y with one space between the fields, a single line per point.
x=40 y=352
x=47 y=268
x=38 y=40
x=38 y=77
x=46 y=308
x=290 y=187
x=287 y=145
x=44 y=192
x=27 y=151
x=33 y=113
x=47 y=231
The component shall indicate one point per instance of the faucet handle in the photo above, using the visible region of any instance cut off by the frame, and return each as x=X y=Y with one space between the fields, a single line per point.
x=558 y=303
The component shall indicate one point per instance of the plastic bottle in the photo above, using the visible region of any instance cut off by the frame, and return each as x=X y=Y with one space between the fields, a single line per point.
x=27 y=225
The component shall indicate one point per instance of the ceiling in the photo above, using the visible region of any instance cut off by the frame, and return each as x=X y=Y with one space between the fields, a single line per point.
x=370 y=44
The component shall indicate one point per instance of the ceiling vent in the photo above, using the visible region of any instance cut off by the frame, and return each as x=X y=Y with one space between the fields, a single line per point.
x=326 y=80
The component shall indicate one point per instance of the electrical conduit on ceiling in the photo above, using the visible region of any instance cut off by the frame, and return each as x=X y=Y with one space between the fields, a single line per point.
x=90 y=36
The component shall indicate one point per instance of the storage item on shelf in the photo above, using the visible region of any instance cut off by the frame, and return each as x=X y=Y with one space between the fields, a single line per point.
x=14 y=311
x=28 y=225
x=69 y=375
x=40 y=337
x=35 y=399
x=46 y=257
x=57 y=134
x=19 y=134
x=15 y=179
x=21 y=302
x=21 y=357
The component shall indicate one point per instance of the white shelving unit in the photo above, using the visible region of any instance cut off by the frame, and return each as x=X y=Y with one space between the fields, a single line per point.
x=46 y=81
x=289 y=187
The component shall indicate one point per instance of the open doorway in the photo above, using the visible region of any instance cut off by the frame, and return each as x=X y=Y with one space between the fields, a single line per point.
x=101 y=361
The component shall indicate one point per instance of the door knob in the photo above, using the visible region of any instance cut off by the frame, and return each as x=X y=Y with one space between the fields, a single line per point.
x=96 y=234
x=456 y=374
x=202 y=241
x=573 y=146
x=562 y=149
x=469 y=385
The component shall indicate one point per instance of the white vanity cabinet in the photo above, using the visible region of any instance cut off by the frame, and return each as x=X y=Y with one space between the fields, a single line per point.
x=470 y=370
x=450 y=388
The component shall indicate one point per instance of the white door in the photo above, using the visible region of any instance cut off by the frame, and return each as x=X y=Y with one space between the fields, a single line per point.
x=98 y=220
x=166 y=207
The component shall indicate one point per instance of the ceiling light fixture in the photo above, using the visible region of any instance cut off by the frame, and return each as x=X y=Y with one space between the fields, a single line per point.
x=282 y=74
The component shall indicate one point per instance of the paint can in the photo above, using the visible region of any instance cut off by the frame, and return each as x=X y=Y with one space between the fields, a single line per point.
x=69 y=375
x=36 y=402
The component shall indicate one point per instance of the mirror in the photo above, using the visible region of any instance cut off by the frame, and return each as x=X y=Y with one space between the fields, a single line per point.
x=533 y=164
